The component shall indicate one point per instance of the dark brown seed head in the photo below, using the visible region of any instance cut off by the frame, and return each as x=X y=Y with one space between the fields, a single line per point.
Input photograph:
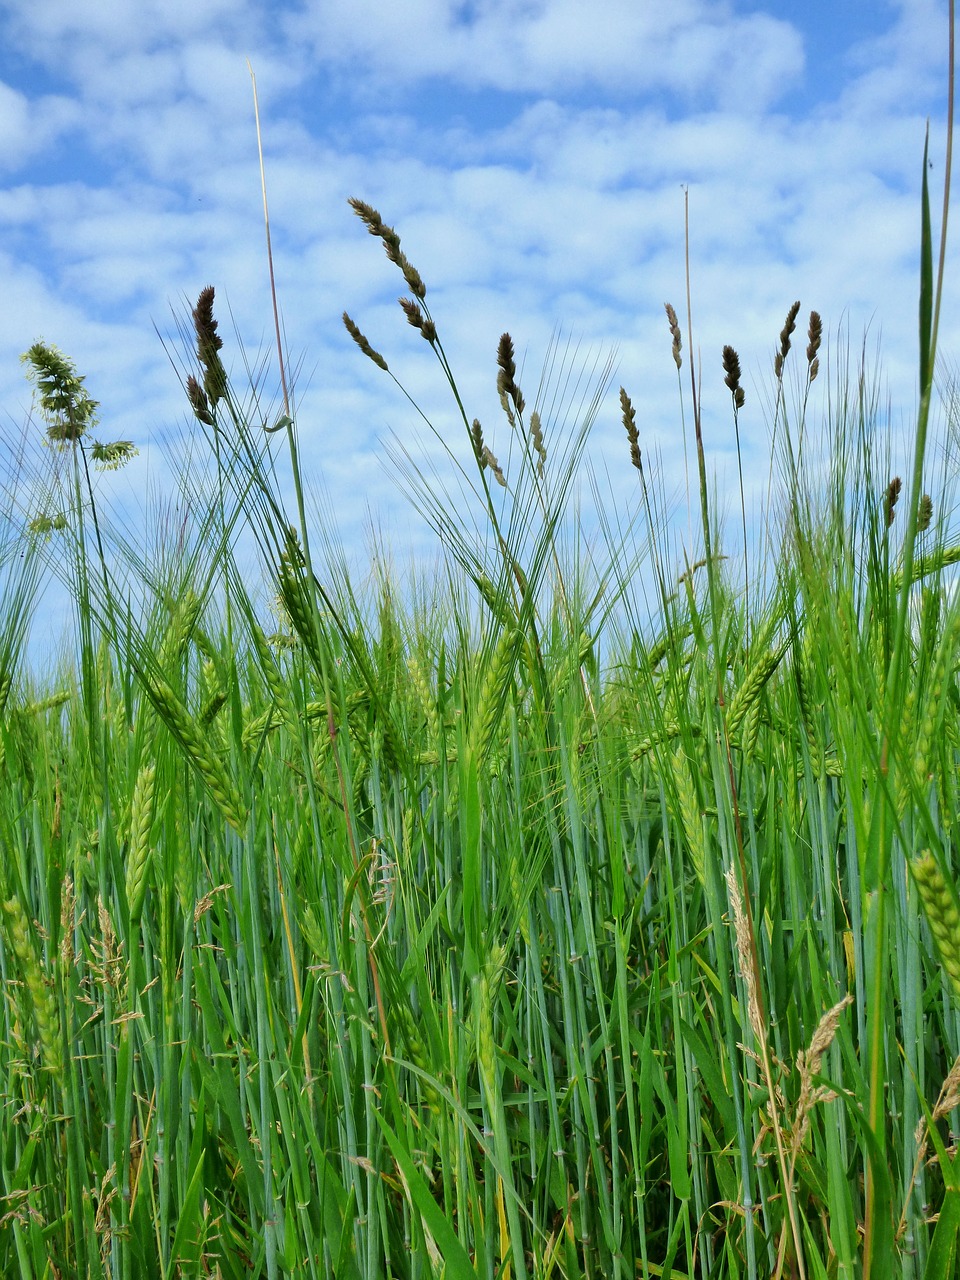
x=731 y=368
x=209 y=344
x=506 y=378
x=199 y=402
x=891 y=498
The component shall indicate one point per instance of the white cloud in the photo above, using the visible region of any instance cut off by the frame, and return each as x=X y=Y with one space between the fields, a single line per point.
x=699 y=50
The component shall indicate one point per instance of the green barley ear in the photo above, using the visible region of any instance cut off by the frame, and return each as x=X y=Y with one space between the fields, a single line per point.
x=138 y=856
x=42 y=1003
x=493 y=695
x=691 y=818
x=752 y=685
x=940 y=906
x=195 y=743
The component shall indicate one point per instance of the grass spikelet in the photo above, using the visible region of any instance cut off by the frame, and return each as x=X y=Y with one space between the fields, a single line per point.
x=488 y=459
x=41 y=1001
x=814 y=337
x=809 y=1061
x=418 y=320
x=924 y=513
x=940 y=907
x=199 y=402
x=629 y=415
x=354 y=331
x=536 y=439
x=674 y=334
x=745 y=955
x=209 y=345
x=138 y=855
x=391 y=243
x=731 y=370
x=507 y=377
x=785 y=335
x=890 y=500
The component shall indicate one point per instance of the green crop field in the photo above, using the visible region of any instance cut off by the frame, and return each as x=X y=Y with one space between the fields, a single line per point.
x=589 y=911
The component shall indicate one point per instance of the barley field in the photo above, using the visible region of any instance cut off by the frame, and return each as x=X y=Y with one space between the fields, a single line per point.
x=588 y=910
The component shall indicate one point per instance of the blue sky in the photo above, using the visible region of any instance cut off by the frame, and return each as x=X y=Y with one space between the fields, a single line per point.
x=531 y=153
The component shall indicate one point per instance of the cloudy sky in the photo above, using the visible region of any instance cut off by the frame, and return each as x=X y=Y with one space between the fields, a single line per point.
x=532 y=154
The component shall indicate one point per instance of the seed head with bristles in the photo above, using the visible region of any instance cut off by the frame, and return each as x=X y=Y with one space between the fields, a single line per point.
x=731 y=368
x=674 y=333
x=785 y=333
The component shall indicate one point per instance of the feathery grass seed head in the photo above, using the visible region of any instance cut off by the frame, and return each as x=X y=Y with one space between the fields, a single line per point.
x=45 y=1014
x=64 y=403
